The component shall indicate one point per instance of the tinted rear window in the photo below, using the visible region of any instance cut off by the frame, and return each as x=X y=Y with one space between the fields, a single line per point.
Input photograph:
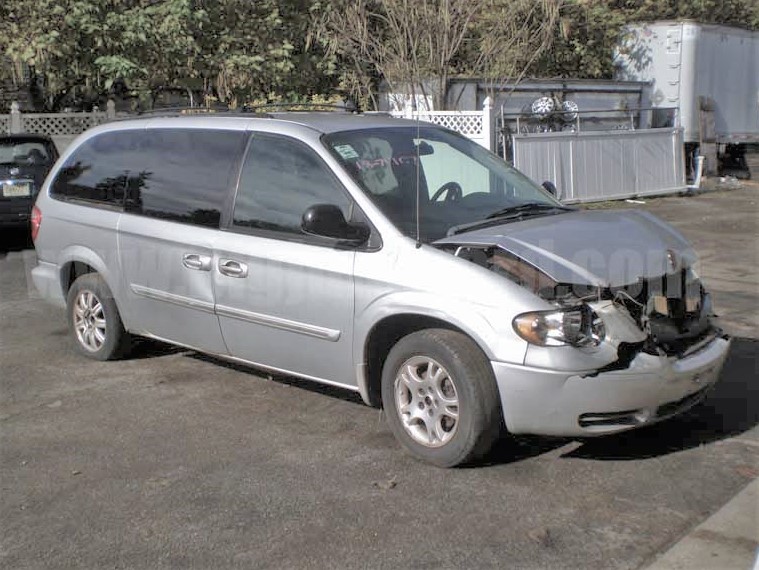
x=174 y=174
x=97 y=171
x=183 y=174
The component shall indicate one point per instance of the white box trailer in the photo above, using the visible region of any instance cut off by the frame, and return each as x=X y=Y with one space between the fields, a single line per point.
x=710 y=73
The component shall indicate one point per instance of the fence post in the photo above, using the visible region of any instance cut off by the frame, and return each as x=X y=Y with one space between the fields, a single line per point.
x=488 y=124
x=16 y=121
x=110 y=110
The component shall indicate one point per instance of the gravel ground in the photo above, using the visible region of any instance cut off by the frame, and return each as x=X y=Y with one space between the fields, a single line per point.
x=175 y=460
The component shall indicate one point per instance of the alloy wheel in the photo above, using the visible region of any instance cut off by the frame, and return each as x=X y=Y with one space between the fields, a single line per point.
x=426 y=401
x=89 y=321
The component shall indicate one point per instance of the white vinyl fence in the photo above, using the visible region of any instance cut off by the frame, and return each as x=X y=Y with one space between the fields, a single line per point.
x=476 y=125
x=604 y=165
x=61 y=127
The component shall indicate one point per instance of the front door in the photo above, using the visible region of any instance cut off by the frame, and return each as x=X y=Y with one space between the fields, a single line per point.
x=285 y=299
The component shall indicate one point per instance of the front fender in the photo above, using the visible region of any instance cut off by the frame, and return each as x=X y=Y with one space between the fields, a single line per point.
x=487 y=326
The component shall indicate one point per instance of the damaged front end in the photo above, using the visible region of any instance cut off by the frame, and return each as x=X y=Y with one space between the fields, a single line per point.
x=668 y=316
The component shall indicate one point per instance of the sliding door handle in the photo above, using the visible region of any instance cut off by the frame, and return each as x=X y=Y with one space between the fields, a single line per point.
x=197 y=261
x=232 y=268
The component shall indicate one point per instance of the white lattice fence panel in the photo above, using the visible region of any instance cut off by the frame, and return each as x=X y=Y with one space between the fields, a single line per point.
x=466 y=124
x=5 y=123
x=475 y=125
x=61 y=123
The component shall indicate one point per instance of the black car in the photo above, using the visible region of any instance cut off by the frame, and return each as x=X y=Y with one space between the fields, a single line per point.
x=25 y=160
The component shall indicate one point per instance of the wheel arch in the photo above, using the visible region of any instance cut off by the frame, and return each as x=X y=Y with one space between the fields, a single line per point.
x=71 y=271
x=76 y=261
x=383 y=335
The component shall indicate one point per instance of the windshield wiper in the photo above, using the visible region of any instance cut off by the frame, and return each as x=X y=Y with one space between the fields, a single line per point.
x=528 y=207
x=510 y=213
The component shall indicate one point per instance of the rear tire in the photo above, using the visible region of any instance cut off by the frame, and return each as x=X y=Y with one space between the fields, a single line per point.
x=94 y=319
x=440 y=397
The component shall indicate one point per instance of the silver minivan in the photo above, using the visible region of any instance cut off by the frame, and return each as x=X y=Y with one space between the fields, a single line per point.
x=393 y=258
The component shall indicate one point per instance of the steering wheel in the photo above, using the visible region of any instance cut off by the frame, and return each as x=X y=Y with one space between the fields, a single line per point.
x=452 y=191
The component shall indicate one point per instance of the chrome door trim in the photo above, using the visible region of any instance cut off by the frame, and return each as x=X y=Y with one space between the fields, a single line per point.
x=323 y=333
x=182 y=301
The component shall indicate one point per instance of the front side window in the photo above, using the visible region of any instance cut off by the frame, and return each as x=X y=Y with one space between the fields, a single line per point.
x=454 y=180
x=281 y=178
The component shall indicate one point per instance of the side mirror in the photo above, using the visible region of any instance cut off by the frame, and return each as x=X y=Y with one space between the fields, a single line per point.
x=425 y=149
x=550 y=186
x=327 y=220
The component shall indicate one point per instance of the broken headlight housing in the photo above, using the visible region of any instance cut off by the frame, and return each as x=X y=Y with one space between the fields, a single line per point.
x=576 y=326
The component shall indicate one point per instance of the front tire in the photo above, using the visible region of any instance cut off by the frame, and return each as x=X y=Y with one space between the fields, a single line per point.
x=94 y=319
x=440 y=397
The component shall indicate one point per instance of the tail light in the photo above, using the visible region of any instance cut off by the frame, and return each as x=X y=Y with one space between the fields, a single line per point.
x=36 y=222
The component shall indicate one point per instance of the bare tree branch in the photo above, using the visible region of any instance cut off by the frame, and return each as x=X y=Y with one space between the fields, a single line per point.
x=413 y=44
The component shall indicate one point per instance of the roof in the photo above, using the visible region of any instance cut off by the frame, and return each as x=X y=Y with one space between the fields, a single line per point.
x=327 y=122
x=321 y=122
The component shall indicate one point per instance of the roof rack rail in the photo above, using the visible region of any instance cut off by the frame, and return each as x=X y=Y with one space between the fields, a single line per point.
x=185 y=110
x=295 y=106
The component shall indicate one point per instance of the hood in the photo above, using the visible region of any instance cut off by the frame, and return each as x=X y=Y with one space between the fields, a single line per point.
x=590 y=247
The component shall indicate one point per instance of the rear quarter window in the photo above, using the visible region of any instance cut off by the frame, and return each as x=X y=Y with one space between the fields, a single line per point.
x=181 y=175
x=97 y=171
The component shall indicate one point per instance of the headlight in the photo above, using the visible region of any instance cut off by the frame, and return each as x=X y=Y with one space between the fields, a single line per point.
x=578 y=326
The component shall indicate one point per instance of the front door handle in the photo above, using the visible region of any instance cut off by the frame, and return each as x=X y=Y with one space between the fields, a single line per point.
x=197 y=261
x=232 y=268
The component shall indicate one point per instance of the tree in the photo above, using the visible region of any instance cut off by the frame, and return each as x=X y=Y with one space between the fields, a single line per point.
x=233 y=50
x=77 y=48
x=261 y=50
x=410 y=43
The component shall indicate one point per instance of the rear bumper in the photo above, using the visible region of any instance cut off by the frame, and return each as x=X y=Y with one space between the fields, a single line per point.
x=561 y=403
x=46 y=278
x=15 y=213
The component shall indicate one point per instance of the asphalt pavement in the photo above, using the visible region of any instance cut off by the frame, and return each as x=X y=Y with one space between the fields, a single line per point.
x=172 y=459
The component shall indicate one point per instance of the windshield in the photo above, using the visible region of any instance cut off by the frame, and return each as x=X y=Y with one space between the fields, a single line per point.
x=459 y=181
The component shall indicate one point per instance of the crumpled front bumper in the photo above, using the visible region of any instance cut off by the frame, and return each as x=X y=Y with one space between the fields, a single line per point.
x=560 y=403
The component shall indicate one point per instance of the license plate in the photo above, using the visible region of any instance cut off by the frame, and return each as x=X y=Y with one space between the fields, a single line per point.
x=11 y=190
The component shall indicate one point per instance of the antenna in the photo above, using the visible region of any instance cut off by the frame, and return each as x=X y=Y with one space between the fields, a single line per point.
x=418 y=172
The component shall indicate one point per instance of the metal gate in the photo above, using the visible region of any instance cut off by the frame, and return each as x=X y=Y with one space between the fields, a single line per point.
x=604 y=165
